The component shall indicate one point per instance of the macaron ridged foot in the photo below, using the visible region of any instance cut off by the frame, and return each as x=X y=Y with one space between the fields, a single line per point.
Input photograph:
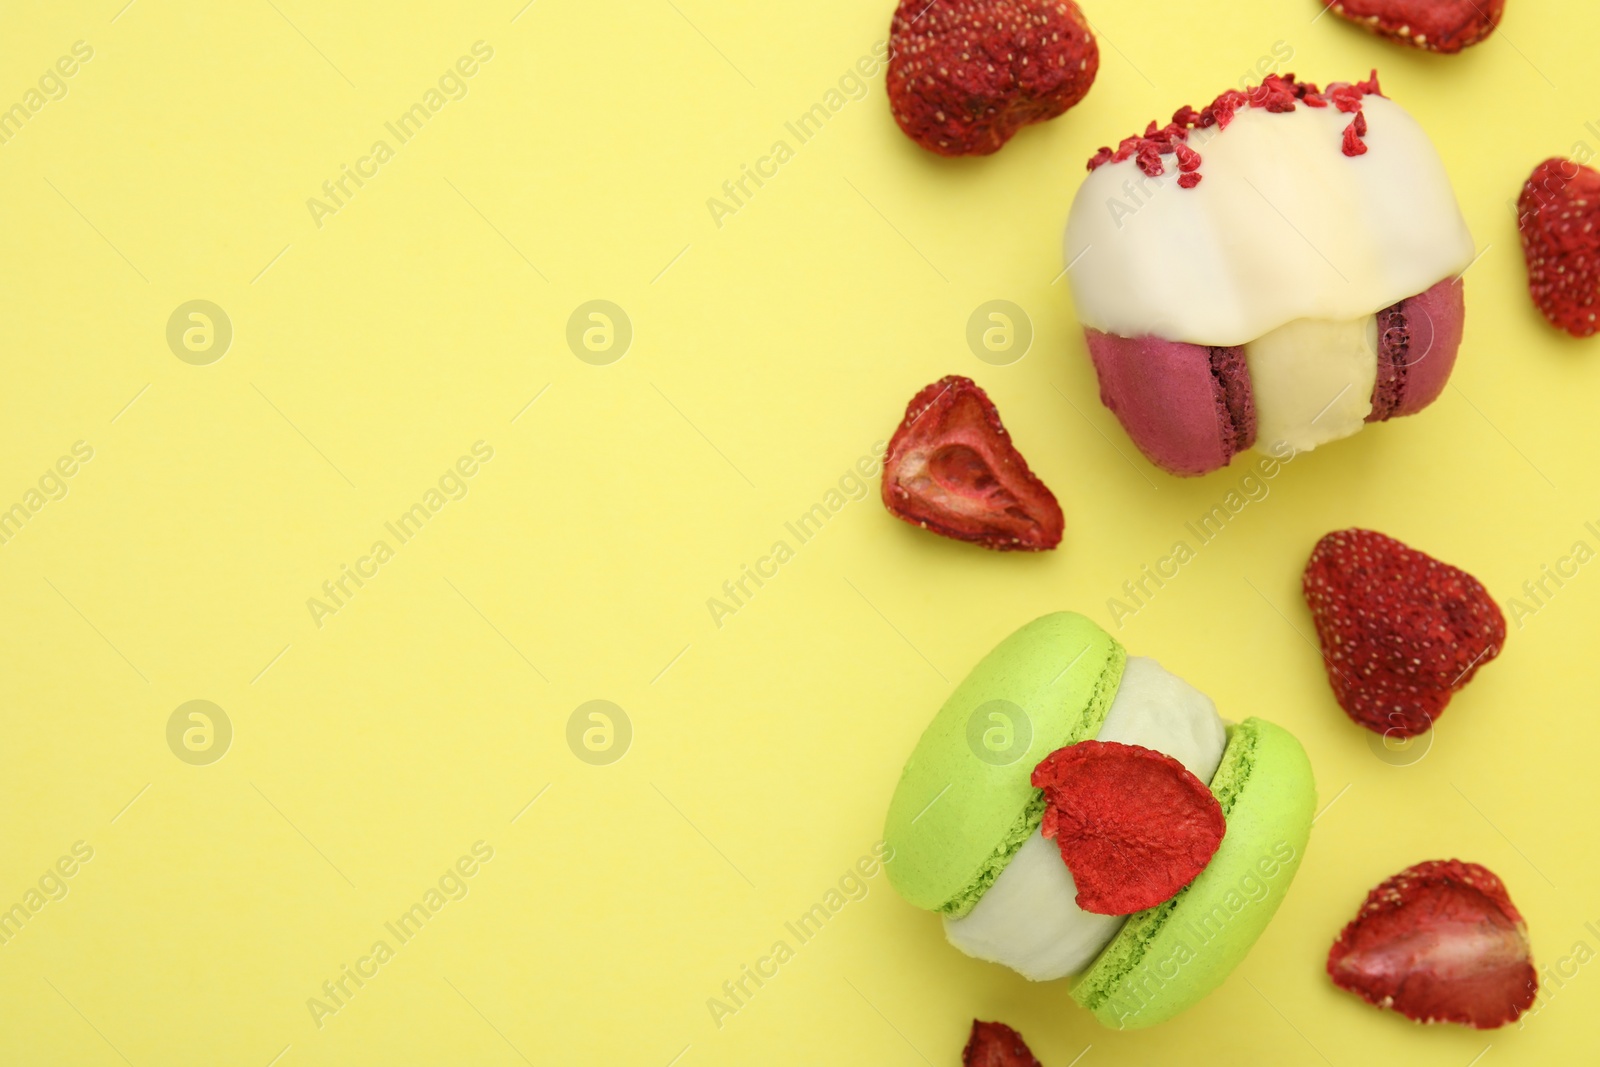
x=1167 y=958
x=957 y=819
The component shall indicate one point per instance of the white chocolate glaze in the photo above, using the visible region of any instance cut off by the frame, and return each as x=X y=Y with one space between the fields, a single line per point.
x=1282 y=226
x=1029 y=919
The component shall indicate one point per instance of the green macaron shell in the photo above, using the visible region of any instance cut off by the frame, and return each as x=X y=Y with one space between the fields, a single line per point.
x=1170 y=956
x=961 y=809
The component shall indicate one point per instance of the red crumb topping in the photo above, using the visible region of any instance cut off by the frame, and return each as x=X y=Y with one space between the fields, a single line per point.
x=1278 y=94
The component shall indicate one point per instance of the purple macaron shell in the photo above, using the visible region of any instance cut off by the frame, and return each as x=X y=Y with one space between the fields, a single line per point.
x=1418 y=339
x=1189 y=408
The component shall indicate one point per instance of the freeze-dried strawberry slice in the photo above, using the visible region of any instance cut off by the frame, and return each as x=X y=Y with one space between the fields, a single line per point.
x=1559 y=216
x=951 y=468
x=1439 y=942
x=1133 y=825
x=996 y=1045
x=1434 y=25
x=965 y=75
x=1400 y=631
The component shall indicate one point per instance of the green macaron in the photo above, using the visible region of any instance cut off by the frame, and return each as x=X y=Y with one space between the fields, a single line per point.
x=1169 y=956
x=966 y=803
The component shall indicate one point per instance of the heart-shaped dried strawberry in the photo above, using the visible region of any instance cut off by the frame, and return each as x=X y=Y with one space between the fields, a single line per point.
x=1400 y=631
x=951 y=468
x=996 y=1045
x=1434 y=25
x=1439 y=942
x=1559 y=216
x=964 y=75
x=1133 y=825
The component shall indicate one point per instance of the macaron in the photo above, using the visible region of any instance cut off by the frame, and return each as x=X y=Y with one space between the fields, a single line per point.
x=964 y=825
x=1275 y=270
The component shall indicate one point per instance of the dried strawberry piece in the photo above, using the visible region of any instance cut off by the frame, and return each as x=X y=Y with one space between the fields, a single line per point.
x=951 y=468
x=1353 y=145
x=1133 y=825
x=965 y=75
x=1559 y=216
x=996 y=1045
x=1439 y=942
x=1434 y=25
x=1400 y=631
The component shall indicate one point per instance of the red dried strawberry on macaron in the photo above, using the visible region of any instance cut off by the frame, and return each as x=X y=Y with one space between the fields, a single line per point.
x=1400 y=631
x=1445 y=26
x=965 y=75
x=1558 y=215
x=1134 y=825
x=951 y=468
x=1439 y=942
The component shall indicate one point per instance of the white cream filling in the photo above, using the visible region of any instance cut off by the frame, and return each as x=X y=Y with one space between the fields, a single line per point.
x=1282 y=226
x=1029 y=919
x=1313 y=381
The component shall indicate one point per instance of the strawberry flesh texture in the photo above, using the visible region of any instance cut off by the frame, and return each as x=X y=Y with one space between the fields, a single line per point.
x=951 y=468
x=1558 y=215
x=1439 y=942
x=996 y=1045
x=1134 y=826
x=965 y=75
x=1445 y=26
x=1400 y=631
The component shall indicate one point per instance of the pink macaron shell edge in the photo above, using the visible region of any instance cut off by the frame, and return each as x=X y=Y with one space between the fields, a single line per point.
x=1166 y=397
x=1437 y=318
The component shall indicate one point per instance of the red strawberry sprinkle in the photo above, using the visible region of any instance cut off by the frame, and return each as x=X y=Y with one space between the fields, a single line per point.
x=965 y=75
x=1133 y=825
x=951 y=468
x=1276 y=94
x=1439 y=942
x=996 y=1045
x=1434 y=25
x=1558 y=214
x=1400 y=631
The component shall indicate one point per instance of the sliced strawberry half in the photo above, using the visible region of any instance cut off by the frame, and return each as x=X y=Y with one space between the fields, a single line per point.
x=996 y=1045
x=1400 y=631
x=1434 y=25
x=1439 y=942
x=1133 y=825
x=951 y=468
x=1558 y=214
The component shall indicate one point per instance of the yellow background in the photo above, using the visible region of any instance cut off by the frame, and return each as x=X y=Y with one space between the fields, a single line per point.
x=769 y=354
